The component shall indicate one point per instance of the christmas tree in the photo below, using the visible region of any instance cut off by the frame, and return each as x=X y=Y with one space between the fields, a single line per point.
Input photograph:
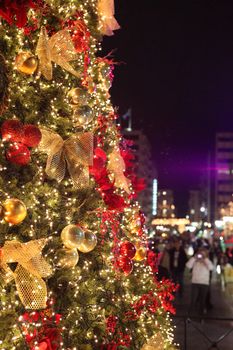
x=75 y=271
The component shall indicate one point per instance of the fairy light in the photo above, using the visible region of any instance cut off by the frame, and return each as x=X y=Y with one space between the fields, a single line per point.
x=46 y=203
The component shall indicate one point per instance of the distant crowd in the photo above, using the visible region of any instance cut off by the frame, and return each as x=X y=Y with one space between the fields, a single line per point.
x=173 y=259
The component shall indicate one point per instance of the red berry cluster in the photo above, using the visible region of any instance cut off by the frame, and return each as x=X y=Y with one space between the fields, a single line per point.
x=20 y=138
x=127 y=252
x=42 y=329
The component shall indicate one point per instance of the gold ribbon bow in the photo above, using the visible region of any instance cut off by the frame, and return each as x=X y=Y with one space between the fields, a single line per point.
x=116 y=166
x=59 y=49
x=76 y=153
x=28 y=274
x=108 y=23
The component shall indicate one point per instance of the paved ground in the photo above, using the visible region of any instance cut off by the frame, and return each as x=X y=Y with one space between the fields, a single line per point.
x=222 y=301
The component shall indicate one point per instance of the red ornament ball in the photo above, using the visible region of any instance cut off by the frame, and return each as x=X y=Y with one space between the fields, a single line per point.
x=125 y=264
x=18 y=154
x=127 y=249
x=32 y=135
x=43 y=345
x=12 y=130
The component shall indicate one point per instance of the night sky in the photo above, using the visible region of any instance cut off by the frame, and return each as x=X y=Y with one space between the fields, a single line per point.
x=177 y=76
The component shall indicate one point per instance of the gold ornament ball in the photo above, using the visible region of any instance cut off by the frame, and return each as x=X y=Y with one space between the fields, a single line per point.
x=140 y=253
x=66 y=258
x=15 y=211
x=72 y=236
x=26 y=63
x=83 y=115
x=89 y=242
x=78 y=96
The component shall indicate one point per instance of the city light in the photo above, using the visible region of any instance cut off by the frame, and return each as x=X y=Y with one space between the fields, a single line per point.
x=219 y=224
x=227 y=219
x=155 y=197
x=181 y=223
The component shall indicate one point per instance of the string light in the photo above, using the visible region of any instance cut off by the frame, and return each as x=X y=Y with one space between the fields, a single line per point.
x=52 y=206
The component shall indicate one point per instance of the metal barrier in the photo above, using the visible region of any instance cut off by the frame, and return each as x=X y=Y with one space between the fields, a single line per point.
x=189 y=320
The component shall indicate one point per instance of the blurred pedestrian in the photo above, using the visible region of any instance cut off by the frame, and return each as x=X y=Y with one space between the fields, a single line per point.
x=178 y=259
x=210 y=255
x=201 y=267
x=164 y=264
x=229 y=255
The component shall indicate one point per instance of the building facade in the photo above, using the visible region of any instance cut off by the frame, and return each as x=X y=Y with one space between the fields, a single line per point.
x=198 y=206
x=224 y=172
x=144 y=168
x=165 y=204
x=194 y=205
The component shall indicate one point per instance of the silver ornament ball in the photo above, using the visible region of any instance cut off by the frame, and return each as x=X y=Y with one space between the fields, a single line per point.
x=78 y=96
x=72 y=236
x=66 y=258
x=83 y=115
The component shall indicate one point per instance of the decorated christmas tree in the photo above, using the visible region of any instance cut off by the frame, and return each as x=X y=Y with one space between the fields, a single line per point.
x=75 y=271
